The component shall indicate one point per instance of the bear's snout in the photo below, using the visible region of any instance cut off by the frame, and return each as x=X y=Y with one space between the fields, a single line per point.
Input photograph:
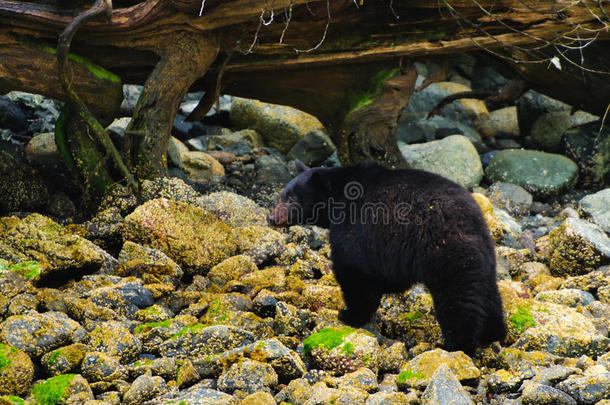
x=279 y=215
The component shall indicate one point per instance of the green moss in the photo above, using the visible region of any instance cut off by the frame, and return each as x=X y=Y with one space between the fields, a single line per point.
x=29 y=270
x=5 y=352
x=522 y=318
x=348 y=349
x=411 y=316
x=375 y=84
x=188 y=329
x=150 y=325
x=54 y=356
x=60 y=137
x=327 y=337
x=12 y=399
x=142 y=363
x=409 y=375
x=51 y=391
x=96 y=70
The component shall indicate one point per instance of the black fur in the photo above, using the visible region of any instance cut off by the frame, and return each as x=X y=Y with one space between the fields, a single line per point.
x=436 y=235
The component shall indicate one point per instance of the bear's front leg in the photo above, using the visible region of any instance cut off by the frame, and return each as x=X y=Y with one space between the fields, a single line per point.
x=361 y=298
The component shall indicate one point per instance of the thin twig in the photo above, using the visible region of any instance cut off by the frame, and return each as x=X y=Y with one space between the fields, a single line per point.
x=323 y=36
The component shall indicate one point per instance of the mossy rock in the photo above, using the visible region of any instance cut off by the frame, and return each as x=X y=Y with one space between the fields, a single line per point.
x=65 y=359
x=191 y=236
x=342 y=349
x=59 y=389
x=16 y=371
x=577 y=247
x=421 y=368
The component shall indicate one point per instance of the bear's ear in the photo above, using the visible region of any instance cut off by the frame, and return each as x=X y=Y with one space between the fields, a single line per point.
x=301 y=167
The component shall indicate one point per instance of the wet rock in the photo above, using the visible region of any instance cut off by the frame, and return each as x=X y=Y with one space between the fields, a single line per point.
x=548 y=129
x=272 y=170
x=571 y=297
x=199 y=166
x=280 y=126
x=597 y=207
x=114 y=339
x=40 y=239
x=341 y=350
x=590 y=149
x=539 y=394
x=152 y=265
x=419 y=371
x=444 y=388
x=248 y=376
x=125 y=298
x=234 y=209
x=416 y=128
x=464 y=110
x=284 y=361
x=64 y=360
x=577 y=247
x=587 y=389
x=313 y=148
x=510 y=197
x=542 y=174
x=502 y=122
x=37 y=334
x=191 y=236
x=260 y=243
x=11 y=115
x=389 y=398
x=105 y=229
x=229 y=139
x=42 y=150
x=98 y=366
x=144 y=388
x=199 y=340
x=453 y=157
x=16 y=371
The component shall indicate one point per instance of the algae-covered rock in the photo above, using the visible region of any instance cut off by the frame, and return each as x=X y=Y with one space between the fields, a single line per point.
x=199 y=166
x=453 y=157
x=577 y=247
x=152 y=265
x=97 y=366
x=280 y=126
x=190 y=235
x=542 y=174
x=62 y=389
x=16 y=371
x=199 y=394
x=340 y=350
x=492 y=220
x=540 y=394
x=64 y=360
x=36 y=334
x=201 y=340
x=408 y=317
x=232 y=268
x=510 y=197
x=286 y=363
x=234 y=209
x=561 y=331
x=419 y=370
x=587 y=389
x=259 y=242
x=569 y=296
x=248 y=376
x=114 y=339
x=38 y=238
x=444 y=388
x=143 y=388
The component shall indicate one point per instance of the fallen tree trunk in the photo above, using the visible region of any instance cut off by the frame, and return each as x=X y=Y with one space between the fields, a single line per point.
x=319 y=56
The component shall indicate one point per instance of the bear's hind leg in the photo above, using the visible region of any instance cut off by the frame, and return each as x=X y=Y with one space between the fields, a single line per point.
x=461 y=318
x=361 y=298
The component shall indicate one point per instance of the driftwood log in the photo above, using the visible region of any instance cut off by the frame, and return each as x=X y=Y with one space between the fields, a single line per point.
x=348 y=62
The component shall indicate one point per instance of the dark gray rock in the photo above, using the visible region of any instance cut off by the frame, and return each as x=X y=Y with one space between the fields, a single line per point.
x=589 y=389
x=538 y=394
x=313 y=148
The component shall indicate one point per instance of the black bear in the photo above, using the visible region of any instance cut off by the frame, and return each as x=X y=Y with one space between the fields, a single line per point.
x=390 y=229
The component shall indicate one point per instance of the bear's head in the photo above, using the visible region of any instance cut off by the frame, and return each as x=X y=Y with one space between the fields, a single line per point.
x=304 y=199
